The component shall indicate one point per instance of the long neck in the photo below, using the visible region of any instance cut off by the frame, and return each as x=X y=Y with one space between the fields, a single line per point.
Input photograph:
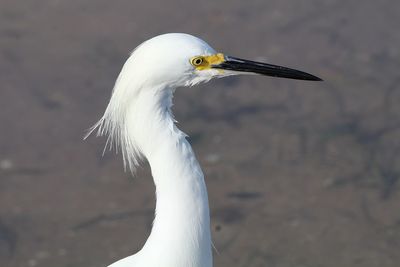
x=181 y=230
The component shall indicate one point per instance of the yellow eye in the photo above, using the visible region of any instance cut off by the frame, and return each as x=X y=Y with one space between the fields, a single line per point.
x=197 y=61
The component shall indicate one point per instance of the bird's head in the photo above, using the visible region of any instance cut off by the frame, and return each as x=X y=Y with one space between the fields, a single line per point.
x=165 y=62
x=178 y=59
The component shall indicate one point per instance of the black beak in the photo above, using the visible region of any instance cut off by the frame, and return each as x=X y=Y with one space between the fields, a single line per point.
x=243 y=65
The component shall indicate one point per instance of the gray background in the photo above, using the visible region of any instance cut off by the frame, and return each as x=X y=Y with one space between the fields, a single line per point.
x=299 y=173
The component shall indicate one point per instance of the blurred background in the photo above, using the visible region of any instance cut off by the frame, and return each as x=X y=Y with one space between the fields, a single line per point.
x=300 y=174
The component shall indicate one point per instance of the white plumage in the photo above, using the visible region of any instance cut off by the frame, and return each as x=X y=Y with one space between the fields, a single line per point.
x=138 y=120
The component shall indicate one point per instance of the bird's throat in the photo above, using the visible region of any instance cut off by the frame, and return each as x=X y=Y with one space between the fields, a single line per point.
x=180 y=236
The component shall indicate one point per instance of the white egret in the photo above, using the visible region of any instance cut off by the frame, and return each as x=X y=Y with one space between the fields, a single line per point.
x=138 y=120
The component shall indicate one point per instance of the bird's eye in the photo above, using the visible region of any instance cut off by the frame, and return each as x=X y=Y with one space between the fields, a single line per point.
x=197 y=61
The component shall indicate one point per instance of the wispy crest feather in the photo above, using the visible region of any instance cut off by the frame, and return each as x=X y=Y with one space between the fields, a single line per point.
x=113 y=123
x=113 y=126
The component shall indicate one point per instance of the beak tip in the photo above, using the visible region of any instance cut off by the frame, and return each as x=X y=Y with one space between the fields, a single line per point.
x=309 y=77
x=317 y=79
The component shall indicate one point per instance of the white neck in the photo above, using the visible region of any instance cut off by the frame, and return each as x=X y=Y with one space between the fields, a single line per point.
x=181 y=232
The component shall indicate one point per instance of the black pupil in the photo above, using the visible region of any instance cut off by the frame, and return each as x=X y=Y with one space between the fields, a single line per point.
x=198 y=61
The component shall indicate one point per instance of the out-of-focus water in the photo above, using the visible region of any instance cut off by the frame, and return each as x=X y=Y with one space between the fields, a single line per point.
x=299 y=173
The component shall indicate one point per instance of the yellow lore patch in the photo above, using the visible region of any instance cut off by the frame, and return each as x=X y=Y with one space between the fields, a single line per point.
x=205 y=62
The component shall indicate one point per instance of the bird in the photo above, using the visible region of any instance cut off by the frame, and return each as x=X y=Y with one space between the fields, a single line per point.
x=138 y=121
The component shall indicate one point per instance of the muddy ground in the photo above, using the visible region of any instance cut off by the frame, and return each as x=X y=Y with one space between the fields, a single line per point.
x=299 y=174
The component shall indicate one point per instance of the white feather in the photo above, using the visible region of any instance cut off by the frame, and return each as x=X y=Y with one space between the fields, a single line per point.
x=138 y=120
